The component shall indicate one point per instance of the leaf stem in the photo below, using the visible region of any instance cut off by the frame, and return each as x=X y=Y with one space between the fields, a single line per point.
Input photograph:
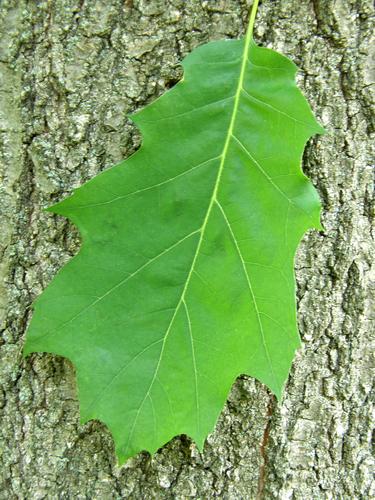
x=253 y=14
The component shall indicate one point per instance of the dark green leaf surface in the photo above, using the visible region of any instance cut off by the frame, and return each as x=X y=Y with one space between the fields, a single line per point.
x=185 y=276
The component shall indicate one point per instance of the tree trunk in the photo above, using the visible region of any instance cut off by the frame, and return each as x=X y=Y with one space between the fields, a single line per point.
x=70 y=71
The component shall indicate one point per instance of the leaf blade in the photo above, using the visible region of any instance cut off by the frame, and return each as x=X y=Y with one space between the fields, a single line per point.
x=190 y=246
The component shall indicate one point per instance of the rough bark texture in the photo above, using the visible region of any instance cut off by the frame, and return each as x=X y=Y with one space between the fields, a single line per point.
x=70 y=70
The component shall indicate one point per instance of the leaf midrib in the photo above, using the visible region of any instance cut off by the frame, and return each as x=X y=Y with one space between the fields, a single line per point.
x=202 y=230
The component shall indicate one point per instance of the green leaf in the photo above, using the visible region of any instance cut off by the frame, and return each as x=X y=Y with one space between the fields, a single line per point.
x=185 y=276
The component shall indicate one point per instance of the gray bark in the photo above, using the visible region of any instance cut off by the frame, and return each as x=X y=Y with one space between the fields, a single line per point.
x=70 y=70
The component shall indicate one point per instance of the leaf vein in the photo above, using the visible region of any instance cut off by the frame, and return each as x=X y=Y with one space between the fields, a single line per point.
x=120 y=283
x=148 y=188
x=264 y=103
x=262 y=170
x=194 y=364
x=251 y=291
x=120 y=372
x=190 y=111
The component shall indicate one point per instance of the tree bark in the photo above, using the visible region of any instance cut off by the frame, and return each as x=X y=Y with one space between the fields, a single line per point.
x=70 y=71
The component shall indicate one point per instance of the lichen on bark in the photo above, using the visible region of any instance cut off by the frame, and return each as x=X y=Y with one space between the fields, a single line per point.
x=70 y=71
